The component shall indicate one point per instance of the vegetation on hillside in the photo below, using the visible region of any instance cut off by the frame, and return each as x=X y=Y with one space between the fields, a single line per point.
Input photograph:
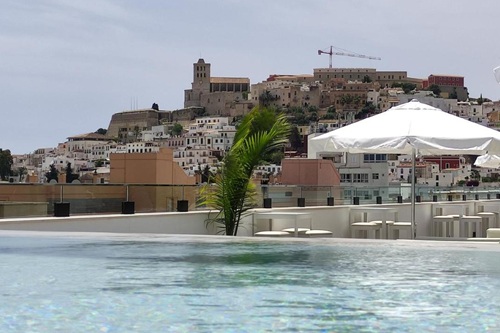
x=70 y=176
x=407 y=87
x=52 y=174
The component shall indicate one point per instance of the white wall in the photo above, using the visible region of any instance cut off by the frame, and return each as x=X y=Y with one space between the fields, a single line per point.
x=335 y=219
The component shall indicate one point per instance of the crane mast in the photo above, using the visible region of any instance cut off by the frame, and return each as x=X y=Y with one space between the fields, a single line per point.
x=331 y=52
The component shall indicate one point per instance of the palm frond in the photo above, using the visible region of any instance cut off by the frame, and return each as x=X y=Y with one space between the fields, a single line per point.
x=233 y=193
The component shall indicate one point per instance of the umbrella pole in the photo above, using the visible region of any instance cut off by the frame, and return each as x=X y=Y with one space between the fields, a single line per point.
x=413 y=176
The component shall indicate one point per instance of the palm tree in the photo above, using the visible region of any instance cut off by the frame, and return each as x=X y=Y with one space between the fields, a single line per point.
x=260 y=133
x=266 y=98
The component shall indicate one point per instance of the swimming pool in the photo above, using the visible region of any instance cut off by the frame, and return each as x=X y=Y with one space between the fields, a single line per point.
x=158 y=283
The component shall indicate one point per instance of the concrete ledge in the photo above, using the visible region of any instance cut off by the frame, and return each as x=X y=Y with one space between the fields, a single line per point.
x=164 y=223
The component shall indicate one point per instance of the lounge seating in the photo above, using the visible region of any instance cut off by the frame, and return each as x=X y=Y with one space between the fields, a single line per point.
x=300 y=231
x=493 y=233
x=272 y=234
x=318 y=233
x=396 y=228
x=470 y=226
x=445 y=226
x=490 y=220
x=370 y=229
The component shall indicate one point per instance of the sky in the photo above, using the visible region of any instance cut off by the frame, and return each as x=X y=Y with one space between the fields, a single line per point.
x=66 y=66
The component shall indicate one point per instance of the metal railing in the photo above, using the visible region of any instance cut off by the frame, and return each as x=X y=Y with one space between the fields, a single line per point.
x=41 y=199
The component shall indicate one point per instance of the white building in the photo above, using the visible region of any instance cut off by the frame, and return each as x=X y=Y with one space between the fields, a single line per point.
x=143 y=147
x=84 y=143
x=60 y=162
x=156 y=133
x=189 y=158
x=268 y=169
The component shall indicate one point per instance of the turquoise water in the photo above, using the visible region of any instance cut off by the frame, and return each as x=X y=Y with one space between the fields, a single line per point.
x=219 y=284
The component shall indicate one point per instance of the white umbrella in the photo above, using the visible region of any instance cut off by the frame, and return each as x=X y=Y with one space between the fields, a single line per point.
x=410 y=128
x=488 y=161
x=496 y=72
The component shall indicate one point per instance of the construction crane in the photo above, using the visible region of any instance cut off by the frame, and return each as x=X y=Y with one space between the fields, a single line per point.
x=345 y=53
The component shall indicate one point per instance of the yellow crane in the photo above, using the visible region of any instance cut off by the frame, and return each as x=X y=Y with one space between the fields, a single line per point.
x=331 y=52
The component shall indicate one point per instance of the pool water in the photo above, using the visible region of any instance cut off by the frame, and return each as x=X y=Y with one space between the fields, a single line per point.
x=116 y=283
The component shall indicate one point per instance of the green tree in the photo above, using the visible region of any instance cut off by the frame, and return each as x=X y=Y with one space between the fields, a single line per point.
x=331 y=113
x=368 y=110
x=454 y=94
x=52 y=174
x=435 y=89
x=406 y=86
x=21 y=172
x=367 y=79
x=346 y=99
x=297 y=115
x=6 y=162
x=480 y=100
x=70 y=176
x=233 y=192
x=205 y=173
x=474 y=174
x=266 y=98
x=199 y=112
x=295 y=138
x=177 y=129
x=275 y=157
x=102 y=131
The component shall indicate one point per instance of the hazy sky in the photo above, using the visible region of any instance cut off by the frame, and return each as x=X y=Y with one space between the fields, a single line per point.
x=67 y=65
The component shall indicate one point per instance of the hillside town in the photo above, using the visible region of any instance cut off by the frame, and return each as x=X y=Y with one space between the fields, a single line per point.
x=196 y=137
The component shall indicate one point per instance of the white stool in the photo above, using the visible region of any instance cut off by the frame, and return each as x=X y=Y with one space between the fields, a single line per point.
x=386 y=231
x=396 y=228
x=470 y=225
x=445 y=226
x=300 y=231
x=490 y=220
x=371 y=229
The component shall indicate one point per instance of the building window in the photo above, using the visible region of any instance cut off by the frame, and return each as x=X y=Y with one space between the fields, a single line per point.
x=345 y=177
x=360 y=178
x=374 y=158
x=375 y=176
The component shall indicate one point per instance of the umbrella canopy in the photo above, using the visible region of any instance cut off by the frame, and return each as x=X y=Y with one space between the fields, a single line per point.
x=409 y=127
x=488 y=161
x=496 y=72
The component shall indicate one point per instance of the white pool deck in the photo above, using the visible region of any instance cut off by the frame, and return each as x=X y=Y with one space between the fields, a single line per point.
x=336 y=219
